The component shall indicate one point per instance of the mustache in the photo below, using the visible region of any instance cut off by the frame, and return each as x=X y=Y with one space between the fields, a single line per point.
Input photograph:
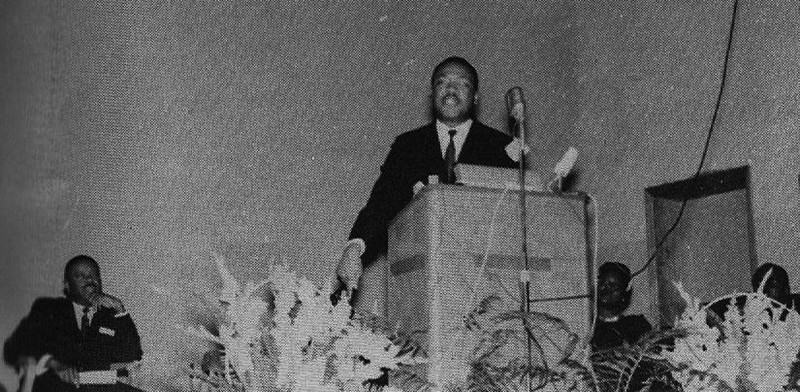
x=448 y=96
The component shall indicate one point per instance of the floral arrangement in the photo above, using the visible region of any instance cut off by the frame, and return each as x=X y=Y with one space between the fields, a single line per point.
x=753 y=347
x=284 y=334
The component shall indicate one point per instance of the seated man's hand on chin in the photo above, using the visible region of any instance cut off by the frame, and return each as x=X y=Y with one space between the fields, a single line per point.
x=108 y=301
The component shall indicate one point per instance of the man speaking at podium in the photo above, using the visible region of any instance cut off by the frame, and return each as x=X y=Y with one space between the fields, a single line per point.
x=454 y=137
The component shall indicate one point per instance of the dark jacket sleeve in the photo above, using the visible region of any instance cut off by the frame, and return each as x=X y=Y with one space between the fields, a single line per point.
x=30 y=336
x=129 y=345
x=391 y=192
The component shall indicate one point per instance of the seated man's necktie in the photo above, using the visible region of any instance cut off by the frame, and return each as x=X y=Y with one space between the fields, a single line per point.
x=450 y=159
x=85 y=321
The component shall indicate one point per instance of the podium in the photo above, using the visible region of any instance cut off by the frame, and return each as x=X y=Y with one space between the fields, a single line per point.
x=438 y=243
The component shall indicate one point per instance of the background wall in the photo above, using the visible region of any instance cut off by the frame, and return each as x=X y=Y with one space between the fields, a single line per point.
x=151 y=135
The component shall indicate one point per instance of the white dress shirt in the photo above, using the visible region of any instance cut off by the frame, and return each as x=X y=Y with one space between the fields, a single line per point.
x=79 y=313
x=443 y=130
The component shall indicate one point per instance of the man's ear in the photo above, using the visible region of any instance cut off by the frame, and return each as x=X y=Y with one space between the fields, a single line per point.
x=476 y=98
x=65 y=288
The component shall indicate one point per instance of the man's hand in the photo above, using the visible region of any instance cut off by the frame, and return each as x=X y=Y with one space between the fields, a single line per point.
x=66 y=373
x=349 y=269
x=108 y=301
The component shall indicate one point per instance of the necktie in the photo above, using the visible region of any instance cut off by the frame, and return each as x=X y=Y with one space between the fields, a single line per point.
x=450 y=159
x=85 y=322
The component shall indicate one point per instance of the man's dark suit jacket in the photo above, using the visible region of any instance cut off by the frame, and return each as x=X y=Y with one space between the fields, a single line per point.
x=52 y=328
x=413 y=157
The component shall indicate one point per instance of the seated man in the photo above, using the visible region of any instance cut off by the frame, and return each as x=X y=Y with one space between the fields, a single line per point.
x=612 y=328
x=776 y=287
x=86 y=330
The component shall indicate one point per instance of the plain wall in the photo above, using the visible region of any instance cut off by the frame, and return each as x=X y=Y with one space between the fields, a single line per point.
x=151 y=135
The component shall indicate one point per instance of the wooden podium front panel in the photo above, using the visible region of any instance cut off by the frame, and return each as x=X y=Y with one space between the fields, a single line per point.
x=437 y=245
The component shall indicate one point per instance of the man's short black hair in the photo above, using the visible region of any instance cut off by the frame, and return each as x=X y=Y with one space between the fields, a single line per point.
x=460 y=61
x=77 y=260
x=621 y=270
x=779 y=274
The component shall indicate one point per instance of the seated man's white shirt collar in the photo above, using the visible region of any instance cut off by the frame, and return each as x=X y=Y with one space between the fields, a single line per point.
x=79 y=313
x=462 y=130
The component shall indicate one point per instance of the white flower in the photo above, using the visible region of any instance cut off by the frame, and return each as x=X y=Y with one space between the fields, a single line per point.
x=758 y=340
x=313 y=345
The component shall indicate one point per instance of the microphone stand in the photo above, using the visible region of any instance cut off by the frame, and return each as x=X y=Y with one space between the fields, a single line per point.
x=525 y=281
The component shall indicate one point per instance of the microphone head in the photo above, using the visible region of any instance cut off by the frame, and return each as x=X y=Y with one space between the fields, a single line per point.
x=515 y=103
x=514 y=96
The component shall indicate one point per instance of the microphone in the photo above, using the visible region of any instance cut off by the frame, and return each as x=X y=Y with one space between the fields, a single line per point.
x=564 y=166
x=515 y=103
x=562 y=169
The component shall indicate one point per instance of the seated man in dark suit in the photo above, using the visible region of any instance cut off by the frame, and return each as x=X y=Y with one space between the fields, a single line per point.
x=776 y=287
x=85 y=330
x=455 y=136
x=612 y=328
x=615 y=330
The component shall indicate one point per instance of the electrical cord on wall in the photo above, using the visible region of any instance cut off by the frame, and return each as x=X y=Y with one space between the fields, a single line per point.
x=705 y=148
x=595 y=244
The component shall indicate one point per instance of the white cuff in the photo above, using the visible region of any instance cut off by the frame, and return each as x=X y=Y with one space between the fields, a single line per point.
x=121 y=314
x=362 y=246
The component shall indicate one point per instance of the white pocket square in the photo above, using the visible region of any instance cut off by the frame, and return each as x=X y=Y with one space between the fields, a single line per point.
x=107 y=331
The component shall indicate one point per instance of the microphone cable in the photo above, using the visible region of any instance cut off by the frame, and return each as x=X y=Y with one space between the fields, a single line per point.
x=705 y=148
